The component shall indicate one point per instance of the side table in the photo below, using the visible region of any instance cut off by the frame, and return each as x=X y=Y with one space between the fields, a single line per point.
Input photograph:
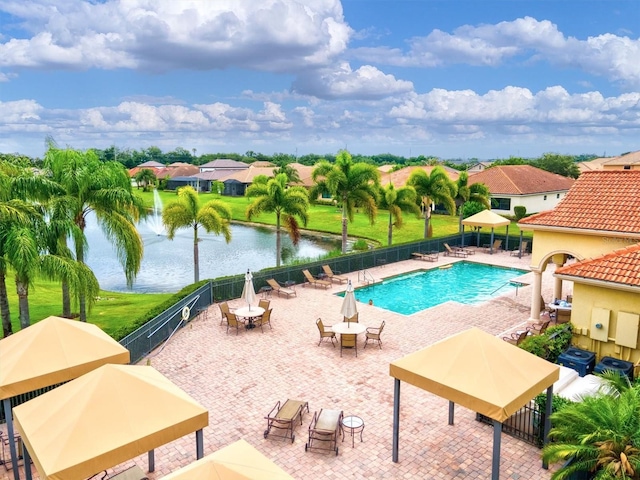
x=290 y=284
x=355 y=425
x=265 y=292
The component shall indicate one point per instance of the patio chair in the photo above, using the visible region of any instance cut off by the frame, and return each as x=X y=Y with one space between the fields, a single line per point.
x=224 y=311
x=516 y=252
x=314 y=281
x=455 y=252
x=488 y=247
x=331 y=275
x=264 y=320
x=539 y=328
x=285 y=417
x=324 y=429
x=516 y=338
x=353 y=319
x=325 y=332
x=348 y=340
x=373 y=333
x=288 y=292
x=233 y=322
x=264 y=304
x=545 y=310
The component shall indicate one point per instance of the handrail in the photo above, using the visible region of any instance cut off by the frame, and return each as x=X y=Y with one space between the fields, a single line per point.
x=364 y=277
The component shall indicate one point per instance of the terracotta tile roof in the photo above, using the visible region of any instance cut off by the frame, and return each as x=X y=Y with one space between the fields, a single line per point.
x=520 y=180
x=599 y=200
x=399 y=177
x=247 y=175
x=620 y=266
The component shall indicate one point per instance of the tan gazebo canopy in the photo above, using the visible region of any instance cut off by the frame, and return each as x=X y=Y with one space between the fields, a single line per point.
x=104 y=418
x=237 y=461
x=478 y=371
x=52 y=351
x=486 y=218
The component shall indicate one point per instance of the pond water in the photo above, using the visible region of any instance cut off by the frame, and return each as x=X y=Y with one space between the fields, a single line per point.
x=167 y=265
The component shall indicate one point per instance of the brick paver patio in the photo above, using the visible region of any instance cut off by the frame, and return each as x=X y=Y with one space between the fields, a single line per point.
x=239 y=378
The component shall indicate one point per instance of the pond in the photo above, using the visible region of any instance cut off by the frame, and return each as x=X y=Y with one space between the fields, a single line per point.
x=167 y=265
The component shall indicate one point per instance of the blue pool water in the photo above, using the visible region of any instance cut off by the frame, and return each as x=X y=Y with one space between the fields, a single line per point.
x=465 y=282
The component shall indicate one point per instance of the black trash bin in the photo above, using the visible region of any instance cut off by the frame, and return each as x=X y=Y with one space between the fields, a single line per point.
x=582 y=361
x=616 y=365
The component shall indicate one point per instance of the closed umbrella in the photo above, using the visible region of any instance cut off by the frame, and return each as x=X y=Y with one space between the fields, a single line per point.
x=248 y=292
x=349 y=307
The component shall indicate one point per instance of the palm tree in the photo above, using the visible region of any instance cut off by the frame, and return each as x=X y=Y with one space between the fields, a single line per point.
x=600 y=434
x=273 y=196
x=351 y=184
x=214 y=216
x=433 y=188
x=398 y=201
x=146 y=178
x=478 y=192
x=292 y=174
x=104 y=189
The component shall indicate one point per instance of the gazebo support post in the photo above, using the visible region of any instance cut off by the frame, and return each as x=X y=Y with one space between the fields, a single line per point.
x=199 y=444
x=506 y=248
x=462 y=240
x=520 y=247
x=451 y=405
x=27 y=462
x=8 y=415
x=491 y=244
x=547 y=421
x=495 y=461
x=152 y=460
x=396 y=419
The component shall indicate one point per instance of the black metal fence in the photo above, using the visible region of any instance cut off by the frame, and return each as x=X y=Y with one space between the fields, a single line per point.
x=527 y=424
x=159 y=329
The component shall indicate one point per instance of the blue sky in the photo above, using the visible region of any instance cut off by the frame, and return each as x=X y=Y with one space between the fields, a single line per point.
x=450 y=78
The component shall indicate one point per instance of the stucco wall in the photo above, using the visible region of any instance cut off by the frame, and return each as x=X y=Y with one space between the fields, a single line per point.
x=533 y=203
x=616 y=301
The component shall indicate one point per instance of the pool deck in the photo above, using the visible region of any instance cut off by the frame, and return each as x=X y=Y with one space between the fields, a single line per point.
x=239 y=378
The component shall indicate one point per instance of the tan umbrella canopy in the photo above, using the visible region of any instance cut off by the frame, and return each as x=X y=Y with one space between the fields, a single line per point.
x=104 y=418
x=479 y=371
x=238 y=461
x=52 y=351
x=486 y=218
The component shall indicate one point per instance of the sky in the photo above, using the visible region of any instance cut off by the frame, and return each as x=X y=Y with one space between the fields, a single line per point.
x=447 y=78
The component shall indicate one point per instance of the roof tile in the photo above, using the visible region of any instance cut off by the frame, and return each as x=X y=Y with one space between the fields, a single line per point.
x=520 y=180
x=620 y=266
x=599 y=200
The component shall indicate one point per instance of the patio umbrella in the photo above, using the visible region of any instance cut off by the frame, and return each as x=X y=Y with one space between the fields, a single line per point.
x=349 y=307
x=248 y=292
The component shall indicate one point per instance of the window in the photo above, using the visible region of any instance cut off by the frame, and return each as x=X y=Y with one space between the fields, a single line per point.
x=544 y=198
x=501 y=203
x=627 y=167
x=557 y=195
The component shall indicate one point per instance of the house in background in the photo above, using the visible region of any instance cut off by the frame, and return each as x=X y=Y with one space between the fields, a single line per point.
x=398 y=178
x=223 y=164
x=236 y=183
x=522 y=185
x=629 y=161
x=598 y=224
x=478 y=167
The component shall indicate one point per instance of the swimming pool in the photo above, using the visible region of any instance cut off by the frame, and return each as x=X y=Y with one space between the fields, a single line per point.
x=465 y=282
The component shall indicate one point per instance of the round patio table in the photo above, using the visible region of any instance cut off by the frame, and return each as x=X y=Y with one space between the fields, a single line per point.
x=249 y=314
x=344 y=328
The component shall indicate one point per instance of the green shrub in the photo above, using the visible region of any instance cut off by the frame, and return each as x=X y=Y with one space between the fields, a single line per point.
x=550 y=344
x=125 y=330
x=361 y=245
x=520 y=211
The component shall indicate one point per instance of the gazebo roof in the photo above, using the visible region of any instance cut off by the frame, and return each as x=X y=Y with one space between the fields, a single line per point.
x=486 y=218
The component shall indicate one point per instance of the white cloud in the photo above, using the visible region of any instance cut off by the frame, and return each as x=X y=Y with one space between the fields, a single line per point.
x=270 y=35
x=610 y=56
x=365 y=83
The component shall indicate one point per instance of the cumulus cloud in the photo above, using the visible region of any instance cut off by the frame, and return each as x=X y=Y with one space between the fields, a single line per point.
x=365 y=83
x=270 y=35
x=611 y=56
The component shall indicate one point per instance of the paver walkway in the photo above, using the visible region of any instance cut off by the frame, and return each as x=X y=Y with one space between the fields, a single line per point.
x=239 y=378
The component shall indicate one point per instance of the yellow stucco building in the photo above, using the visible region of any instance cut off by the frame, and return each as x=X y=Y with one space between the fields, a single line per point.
x=593 y=238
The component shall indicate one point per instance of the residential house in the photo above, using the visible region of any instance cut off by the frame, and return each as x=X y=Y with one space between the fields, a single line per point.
x=222 y=164
x=236 y=183
x=593 y=238
x=478 y=167
x=628 y=161
x=522 y=185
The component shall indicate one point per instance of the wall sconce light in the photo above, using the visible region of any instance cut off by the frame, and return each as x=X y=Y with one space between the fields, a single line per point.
x=598 y=325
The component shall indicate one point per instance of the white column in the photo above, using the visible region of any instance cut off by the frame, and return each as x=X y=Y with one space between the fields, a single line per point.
x=535 y=296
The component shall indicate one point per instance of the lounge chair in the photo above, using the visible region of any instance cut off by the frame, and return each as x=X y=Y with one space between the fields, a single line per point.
x=348 y=340
x=468 y=251
x=455 y=252
x=265 y=319
x=491 y=248
x=539 y=328
x=516 y=338
x=314 y=281
x=431 y=256
x=288 y=292
x=521 y=251
x=373 y=333
x=285 y=417
x=334 y=275
x=324 y=430
x=325 y=332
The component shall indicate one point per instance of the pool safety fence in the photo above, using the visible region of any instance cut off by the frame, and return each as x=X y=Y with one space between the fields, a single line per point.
x=527 y=424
